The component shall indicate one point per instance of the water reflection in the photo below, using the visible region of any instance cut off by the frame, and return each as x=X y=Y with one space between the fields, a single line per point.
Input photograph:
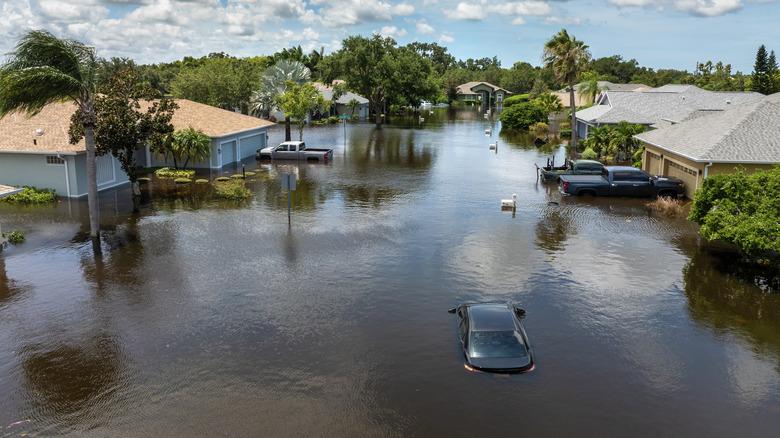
x=727 y=303
x=9 y=288
x=65 y=380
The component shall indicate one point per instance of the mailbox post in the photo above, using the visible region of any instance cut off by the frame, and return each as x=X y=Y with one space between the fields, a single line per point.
x=289 y=181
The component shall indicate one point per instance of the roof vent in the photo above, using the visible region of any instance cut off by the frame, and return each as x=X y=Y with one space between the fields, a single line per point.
x=728 y=102
x=39 y=132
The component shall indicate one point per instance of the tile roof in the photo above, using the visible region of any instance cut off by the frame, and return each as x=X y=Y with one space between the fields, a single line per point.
x=748 y=133
x=670 y=103
x=49 y=128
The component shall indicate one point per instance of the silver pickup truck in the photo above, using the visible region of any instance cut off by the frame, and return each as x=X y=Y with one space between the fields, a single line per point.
x=294 y=150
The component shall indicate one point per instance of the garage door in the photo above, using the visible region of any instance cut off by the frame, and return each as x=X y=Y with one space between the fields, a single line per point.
x=228 y=152
x=685 y=173
x=652 y=163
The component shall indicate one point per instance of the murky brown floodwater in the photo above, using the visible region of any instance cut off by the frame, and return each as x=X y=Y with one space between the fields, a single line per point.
x=210 y=318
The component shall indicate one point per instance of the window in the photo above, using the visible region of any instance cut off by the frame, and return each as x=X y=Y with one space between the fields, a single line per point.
x=496 y=344
x=54 y=160
x=282 y=148
x=683 y=168
x=622 y=176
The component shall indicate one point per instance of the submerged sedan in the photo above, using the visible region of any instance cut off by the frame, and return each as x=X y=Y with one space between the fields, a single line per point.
x=493 y=338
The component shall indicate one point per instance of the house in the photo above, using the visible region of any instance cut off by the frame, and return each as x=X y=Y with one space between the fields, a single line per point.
x=36 y=151
x=657 y=107
x=565 y=98
x=745 y=136
x=343 y=105
x=473 y=92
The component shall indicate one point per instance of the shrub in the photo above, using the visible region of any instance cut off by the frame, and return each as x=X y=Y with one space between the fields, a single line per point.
x=565 y=133
x=741 y=209
x=31 y=196
x=221 y=178
x=237 y=176
x=201 y=181
x=182 y=180
x=15 y=237
x=522 y=116
x=666 y=206
x=589 y=154
x=232 y=189
x=167 y=172
x=514 y=100
x=248 y=173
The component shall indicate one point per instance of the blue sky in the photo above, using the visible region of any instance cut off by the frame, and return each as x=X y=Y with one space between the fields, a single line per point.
x=658 y=33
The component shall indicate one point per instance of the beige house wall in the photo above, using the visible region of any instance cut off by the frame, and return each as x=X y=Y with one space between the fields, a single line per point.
x=660 y=168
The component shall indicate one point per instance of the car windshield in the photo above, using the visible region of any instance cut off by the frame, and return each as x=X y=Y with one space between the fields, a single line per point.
x=496 y=344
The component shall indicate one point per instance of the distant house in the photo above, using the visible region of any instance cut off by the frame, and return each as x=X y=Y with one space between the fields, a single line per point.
x=473 y=92
x=343 y=105
x=565 y=98
x=657 y=107
x=745 y=136
x=36 y=150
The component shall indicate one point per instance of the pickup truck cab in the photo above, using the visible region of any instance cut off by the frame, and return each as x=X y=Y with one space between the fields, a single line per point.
x=621 y=181
x=294 y=150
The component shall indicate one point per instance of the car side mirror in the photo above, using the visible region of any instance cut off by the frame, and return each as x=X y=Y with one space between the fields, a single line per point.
x=452 y=310
x=520 y=312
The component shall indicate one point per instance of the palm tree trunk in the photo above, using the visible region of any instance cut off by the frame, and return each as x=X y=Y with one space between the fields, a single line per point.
x=92 y=192
x=287 y=136
x=573 y=119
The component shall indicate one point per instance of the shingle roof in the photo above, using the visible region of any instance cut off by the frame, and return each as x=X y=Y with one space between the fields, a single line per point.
x=467 y=87
x=670 y=103
x=607 y=85
x=49 y=128
x=344 y=99
x=748 y=133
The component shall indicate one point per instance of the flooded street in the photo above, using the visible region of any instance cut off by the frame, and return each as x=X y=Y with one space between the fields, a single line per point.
x=212 y=318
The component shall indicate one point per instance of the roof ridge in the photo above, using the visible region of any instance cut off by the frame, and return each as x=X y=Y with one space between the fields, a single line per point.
x=740 y=120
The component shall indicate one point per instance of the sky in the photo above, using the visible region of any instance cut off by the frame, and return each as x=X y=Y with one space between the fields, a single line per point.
x=657 y=33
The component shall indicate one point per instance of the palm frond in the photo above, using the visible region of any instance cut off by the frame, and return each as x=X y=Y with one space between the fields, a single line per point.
x=31 y=89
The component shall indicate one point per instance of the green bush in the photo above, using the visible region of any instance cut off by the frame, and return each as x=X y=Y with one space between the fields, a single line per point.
x=232 y=189
x=221 y=178
x=741 y=209
x=182 y=180
x=15 y=237
x=522 y=116
x=514 y=100
x=237 y=176
x=248 y=173
x=167 y=172
x=565 y=133
x=31 y=196
x=201 y=181
x=589 y=154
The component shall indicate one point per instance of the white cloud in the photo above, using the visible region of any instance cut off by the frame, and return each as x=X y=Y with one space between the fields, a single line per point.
x=446 y=38
x=703 y=8
x=391 y=31
x=403 y=9
x=424 y=28
x=467 y=11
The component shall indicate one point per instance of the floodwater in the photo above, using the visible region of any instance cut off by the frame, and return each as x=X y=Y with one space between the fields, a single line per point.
x=212 y=318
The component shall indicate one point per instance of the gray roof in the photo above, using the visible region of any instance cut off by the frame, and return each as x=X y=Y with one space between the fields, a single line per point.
x=747 y=133
x=607 y=85
x=663 y=105
x=467 y=87
x=344 y=99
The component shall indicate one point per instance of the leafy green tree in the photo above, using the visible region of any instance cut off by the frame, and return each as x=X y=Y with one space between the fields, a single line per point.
x=125 y=121
x=616 y=69
x=520 y=78
x=298 y=101
x=189 y=144
x=741 y=209
x=773 y=72
x=220 y=81
x=438 y=55
x=549 y=103
x=44 y=69
x=273 y=84
x=762 y=81
x=521 y=116
x=567 y=57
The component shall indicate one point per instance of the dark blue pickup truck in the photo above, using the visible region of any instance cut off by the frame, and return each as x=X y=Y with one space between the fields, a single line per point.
x=621 y=181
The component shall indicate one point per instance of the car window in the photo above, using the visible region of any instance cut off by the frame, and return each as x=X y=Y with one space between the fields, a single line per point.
x=282 y=148
x=622 y=176
x=496 y=344
x=640 y=176
x=302 y=146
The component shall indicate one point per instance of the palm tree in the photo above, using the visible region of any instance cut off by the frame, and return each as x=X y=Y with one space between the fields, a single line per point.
x=45 y=69
x=589 y=88
x=273 y=83
x=567 y=57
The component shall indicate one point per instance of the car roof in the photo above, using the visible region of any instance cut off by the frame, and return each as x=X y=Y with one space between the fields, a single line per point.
x=491 y=317
x=624 y=168
x=587 y=162
x=292 y=142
